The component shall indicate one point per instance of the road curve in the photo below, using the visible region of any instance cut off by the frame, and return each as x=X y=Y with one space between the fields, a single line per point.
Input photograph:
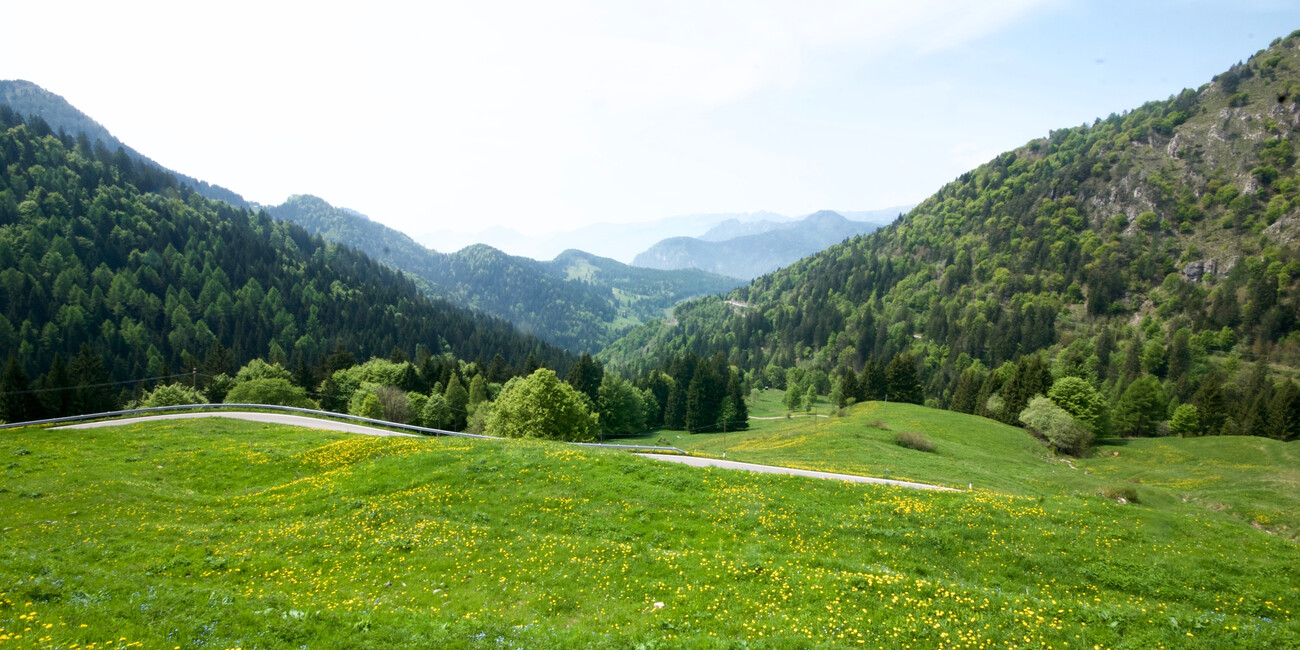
x=269 y=418
x=696 y=461
x=332 y=425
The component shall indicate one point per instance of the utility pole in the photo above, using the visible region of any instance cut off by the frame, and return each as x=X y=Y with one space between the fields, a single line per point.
x=194 y=378
x=724 y=439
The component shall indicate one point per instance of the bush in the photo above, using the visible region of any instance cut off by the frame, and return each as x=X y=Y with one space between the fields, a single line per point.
x=394 y=404
x=258 y=369
x=1052 y=422
x=541 y=406
x=1129 y=494
x=269 y=391
x=878 y=424
x=172 y=395
x=913 y=441
x=1078 y=398
x=436 y=414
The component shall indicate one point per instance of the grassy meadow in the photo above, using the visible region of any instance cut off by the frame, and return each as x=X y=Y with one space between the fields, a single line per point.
x=222 y=533
x=1247 y=479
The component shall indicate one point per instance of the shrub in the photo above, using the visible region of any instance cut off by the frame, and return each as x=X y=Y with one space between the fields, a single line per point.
x=878 y=424
x=258 y=369
x=1052 y=422
x=1078 y=398
x=269 y=391
x=541 y=406
x=1125 y=492
x=913 y=441
x=172 y=395
x=394 y=404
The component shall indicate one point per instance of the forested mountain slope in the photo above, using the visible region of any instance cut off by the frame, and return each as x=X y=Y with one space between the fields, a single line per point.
x=578 y=301
x=1152 y=253
x=28 y=99
x=103 y=256
x=751 y=255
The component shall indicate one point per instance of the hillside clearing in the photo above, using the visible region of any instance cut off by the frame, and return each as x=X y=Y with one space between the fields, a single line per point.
x=227 y=533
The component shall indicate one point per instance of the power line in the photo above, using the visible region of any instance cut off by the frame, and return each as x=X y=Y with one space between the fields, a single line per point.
x=83 y=386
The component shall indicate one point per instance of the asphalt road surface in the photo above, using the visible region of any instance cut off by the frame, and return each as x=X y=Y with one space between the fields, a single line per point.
x=270 y=418
x=317 y=423
x=696 y=461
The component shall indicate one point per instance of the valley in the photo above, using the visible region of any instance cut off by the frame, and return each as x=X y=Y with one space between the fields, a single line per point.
x=1090 y=341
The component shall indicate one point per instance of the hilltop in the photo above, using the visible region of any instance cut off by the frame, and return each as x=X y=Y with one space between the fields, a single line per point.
x=1154 y=248
x=29 y=99
x=748 y=250
x=578 y=301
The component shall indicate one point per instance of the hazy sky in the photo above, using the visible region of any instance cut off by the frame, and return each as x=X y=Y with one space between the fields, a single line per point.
x=548 y=115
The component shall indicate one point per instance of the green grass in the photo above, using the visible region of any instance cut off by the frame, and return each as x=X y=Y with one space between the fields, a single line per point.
x=222 y=533
x=1253 y=480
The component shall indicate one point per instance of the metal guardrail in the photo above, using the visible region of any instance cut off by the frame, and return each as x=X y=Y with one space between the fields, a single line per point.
x=309 y=412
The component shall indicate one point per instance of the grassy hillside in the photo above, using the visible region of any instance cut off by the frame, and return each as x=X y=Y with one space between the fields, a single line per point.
x=235 y=534
x=1254 y=481
x=1156 y=244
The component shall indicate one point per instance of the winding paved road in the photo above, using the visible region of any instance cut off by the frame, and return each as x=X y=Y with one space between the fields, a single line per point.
x=317 y=423
x=270 y=418
x=696 y=461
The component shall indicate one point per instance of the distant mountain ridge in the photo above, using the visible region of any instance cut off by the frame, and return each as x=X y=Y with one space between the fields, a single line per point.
x=733 y=228
x=772 y=246
x=579 y=301
x=620 y=241
x=27 y=98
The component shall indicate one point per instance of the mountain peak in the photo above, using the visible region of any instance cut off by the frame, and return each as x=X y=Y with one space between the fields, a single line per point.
x=825 y=216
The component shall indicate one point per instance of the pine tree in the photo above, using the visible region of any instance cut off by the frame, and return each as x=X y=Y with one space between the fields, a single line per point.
x=56 y=396
x=585 y=376
x=900 y=378
x=848 y=388
x=17 y=402
x=872 y=383
x=477 y=393
x=739 y=418
x=702 y=399
x=457 y=402
x=1284 y=412
x=966 y=393
x=1210 y=404
x=92 y=394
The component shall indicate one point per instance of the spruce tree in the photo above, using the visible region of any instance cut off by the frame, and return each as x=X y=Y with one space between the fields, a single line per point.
x=1284 y=412
x=702 y=401
x=740 y=411
x=457 y=403
x=17 y=402
x=1210 y=404
x=585 y=376
x=56 y=395
x=901 y=380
